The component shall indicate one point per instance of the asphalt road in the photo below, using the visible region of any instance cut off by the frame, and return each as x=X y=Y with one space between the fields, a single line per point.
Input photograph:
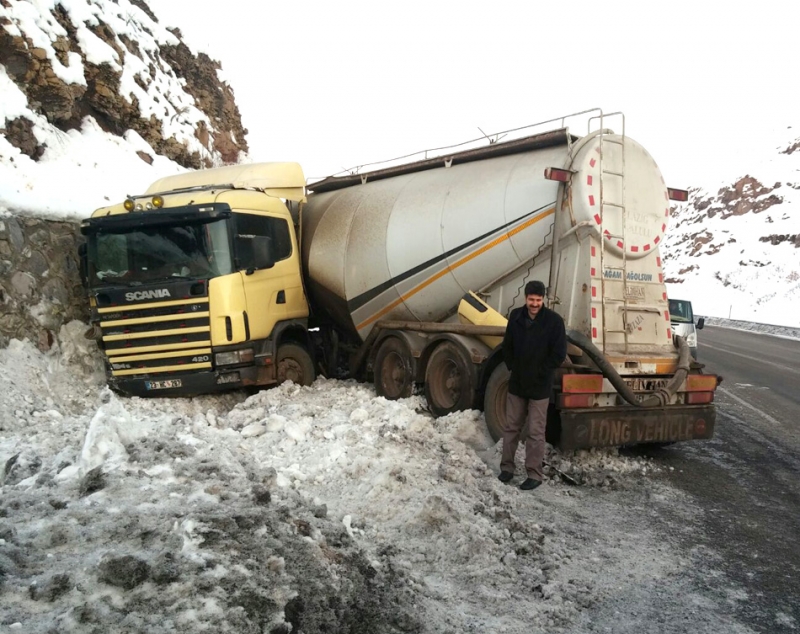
x=746 y=481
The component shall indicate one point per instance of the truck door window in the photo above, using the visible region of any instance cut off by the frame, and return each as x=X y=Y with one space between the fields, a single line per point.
x=248 y=226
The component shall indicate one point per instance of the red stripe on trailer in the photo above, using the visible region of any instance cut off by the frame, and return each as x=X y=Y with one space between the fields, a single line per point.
x=598 y=220
x=646 y=247
x=657 y=239
x=589 y=179
x=594 y=291
x=660 y=278
x=658 y=260
x=664 y=296
x=636 y=249
x=607 y=234
x=593 y=251
x=666 y=315
x=594 y=333
x=620 y=244
x=663 y=227
x=593 y=271
x=594 y=312
x=591 y=200
x=666 y=213
x=592 y=162
x=669 y=334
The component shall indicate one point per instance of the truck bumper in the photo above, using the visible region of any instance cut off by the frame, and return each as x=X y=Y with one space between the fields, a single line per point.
x=616 y=426
x=188 y=384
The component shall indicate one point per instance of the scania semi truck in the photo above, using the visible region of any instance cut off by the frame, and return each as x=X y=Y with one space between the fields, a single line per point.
x=404 y=275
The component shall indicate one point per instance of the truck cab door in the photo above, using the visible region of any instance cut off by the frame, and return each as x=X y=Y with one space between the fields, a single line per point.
x=269 y=263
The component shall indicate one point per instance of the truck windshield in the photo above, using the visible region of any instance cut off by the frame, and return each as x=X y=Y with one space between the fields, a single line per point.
x=680 y=311
x=147 y=254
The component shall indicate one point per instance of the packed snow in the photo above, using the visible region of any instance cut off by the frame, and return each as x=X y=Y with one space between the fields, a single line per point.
x=301 y=508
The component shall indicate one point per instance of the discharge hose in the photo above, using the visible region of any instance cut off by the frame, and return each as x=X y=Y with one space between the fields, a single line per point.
x=661 y=396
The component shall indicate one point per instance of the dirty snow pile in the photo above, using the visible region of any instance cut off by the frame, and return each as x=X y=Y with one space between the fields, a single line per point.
x=303 y=509
x=56 y=185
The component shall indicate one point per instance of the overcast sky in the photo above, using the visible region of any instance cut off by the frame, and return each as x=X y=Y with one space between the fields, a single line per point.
x=336 y=84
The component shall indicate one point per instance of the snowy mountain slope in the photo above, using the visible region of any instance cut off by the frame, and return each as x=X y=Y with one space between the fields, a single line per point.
x=734 y=249
x=98 y=98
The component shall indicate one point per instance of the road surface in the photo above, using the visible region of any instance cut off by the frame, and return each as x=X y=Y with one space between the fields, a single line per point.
x=747 y=479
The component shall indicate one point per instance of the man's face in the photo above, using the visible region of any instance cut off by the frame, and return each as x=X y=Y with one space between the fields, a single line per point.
x=534 y=304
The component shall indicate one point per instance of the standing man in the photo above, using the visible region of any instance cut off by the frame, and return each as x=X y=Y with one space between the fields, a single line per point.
x=534 y=346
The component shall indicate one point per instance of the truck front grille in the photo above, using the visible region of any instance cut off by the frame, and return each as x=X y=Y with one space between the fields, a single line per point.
x=157 y=338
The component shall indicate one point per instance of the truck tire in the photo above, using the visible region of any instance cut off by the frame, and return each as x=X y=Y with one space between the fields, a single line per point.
x=494 y=401
x=294 y=364
x=393 y=370
x=449 y=380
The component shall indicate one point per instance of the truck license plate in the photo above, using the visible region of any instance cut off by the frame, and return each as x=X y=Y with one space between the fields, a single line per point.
x=644 y=384
x=163 y=385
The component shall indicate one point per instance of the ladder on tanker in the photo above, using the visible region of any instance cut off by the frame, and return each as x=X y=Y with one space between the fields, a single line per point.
x=611 y=304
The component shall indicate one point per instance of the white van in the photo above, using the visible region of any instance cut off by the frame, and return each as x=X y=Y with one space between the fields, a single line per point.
x=682 y=319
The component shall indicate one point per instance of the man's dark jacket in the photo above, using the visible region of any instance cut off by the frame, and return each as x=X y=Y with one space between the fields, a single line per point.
x=532 y=350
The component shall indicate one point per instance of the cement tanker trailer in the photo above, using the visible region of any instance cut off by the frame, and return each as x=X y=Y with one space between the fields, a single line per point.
x=233 y=277
x=413 y=269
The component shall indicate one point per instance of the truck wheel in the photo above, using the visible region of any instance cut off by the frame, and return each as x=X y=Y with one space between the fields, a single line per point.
x=494 y=401
x=449 y=384
x=295 y=364
x=393 y=371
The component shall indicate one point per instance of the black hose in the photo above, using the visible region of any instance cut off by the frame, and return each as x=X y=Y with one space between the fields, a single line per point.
x=660 y=397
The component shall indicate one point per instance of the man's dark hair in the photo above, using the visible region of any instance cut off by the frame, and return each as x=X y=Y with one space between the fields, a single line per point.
x=535 y=288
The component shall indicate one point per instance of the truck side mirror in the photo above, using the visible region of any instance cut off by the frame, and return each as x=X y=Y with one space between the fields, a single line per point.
x=262 y=253
x=701 y=322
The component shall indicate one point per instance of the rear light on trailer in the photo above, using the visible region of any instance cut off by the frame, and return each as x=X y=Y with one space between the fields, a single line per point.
x=557 y=174
x=701 y=382
x=567 y=401
x=694 y=398
x=582 y=383
x=677 y=194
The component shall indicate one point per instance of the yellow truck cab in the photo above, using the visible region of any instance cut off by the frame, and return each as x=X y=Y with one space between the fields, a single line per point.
x=196 y=285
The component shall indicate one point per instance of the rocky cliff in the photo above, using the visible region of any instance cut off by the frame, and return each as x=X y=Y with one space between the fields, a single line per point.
x=97 y=100
x=114 y=62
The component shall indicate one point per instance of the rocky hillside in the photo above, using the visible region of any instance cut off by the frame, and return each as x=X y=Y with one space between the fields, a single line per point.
x=114 y=62
x=97 y=100
x=734 y=249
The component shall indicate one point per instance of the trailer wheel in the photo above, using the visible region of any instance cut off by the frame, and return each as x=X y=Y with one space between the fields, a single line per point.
x=449 y=382
x=494 y=401
x=295 y=364
x=393 y=371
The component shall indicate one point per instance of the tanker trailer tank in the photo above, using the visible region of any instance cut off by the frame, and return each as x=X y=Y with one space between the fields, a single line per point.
x=409 y=246
x=413 y=270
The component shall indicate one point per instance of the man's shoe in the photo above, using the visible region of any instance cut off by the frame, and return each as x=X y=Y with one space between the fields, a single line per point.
x=505 y=476
x=529 y=484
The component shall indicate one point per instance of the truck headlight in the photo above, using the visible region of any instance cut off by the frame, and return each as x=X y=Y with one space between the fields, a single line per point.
x=692 y=340
x=234 y=357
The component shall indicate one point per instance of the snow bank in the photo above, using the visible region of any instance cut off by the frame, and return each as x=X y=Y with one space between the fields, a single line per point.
x=321 y=508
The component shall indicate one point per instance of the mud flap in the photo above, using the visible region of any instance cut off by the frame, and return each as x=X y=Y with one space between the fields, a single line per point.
x=613 y=427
